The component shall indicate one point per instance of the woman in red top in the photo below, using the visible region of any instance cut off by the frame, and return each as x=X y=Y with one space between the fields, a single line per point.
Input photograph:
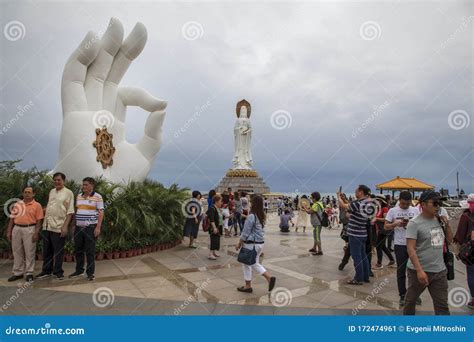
x=380 y=245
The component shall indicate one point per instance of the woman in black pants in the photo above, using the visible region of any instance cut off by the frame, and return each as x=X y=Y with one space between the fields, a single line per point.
x=215 y=227
x=381 y=236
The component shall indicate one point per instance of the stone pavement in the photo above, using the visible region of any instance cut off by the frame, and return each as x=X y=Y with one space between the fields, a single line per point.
x=184 y=281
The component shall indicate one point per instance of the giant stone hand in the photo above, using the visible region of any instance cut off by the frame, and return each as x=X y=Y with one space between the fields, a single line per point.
x=93 y=100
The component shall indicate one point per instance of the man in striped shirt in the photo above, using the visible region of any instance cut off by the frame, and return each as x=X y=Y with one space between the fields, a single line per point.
x=360 y=212
x=89 y=215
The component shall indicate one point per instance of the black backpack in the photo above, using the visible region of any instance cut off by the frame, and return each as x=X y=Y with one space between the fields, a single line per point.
x=325 y=219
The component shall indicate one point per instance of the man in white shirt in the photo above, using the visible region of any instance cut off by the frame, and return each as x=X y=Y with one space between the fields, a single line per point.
x=397 y=219
x=58 y=215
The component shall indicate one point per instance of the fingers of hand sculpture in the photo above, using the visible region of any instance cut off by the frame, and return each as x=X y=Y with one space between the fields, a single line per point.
x=134 y=96
x=74 y=75
x=100 y=67
x=150 y=143
x=130 y=49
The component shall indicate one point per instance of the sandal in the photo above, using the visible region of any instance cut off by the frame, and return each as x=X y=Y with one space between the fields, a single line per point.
x=245 y=289
x=354 y=282
x=271 y=284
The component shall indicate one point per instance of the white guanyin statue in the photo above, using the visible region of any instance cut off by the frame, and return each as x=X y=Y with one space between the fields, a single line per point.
x=242 y=137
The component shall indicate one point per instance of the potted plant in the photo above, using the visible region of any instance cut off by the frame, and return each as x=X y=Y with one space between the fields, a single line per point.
x=128 y=249
x=108 y=250
x=4 y=248
x=39 y=250
x=68 y=250
x=99 y=249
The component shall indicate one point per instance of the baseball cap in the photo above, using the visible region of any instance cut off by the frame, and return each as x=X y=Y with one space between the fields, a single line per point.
x=430 y=195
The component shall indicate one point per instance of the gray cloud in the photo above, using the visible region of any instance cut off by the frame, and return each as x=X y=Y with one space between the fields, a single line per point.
x=305 y=58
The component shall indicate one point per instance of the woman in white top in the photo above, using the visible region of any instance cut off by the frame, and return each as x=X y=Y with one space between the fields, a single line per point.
x=253 y=237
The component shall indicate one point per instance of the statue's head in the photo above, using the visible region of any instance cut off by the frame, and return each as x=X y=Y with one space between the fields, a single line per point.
x=243 y=112
x=243 y=109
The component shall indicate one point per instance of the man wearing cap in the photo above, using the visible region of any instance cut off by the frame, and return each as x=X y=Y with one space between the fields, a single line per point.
x=23 y=232
x=426 y=269
x=464 y=234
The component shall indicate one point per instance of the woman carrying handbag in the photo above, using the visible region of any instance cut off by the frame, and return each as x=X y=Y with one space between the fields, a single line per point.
x=251 y=246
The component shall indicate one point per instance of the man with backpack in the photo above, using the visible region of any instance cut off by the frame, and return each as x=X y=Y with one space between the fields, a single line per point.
x=316 y=212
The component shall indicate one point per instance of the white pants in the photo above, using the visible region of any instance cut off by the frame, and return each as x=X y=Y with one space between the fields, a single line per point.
x=257 y=267
x=226 y=214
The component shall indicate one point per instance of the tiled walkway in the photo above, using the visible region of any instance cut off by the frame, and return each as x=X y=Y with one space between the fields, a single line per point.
x=184 y=281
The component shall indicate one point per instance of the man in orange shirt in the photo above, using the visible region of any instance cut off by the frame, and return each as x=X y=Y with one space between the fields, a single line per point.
x=23 y=231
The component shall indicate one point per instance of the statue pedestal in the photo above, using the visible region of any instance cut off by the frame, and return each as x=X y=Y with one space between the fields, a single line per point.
x=243 y=180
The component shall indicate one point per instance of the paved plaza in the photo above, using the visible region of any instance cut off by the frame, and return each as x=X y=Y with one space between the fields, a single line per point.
x=183 y=281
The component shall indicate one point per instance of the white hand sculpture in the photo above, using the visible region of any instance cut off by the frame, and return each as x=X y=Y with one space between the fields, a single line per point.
x=92 y=98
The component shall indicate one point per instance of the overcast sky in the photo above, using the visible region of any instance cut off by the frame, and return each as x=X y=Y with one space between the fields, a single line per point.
x=359 y=92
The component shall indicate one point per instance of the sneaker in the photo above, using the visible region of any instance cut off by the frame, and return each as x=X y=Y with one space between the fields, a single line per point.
x=312 y=250
x=377 y=267
x=402 y=301
x=90 y=277
x=15 y=277
x=418 y=301
x=75 y=274
x=470 y=305
x=58 y=277
x=391 y=264
x=43 y=275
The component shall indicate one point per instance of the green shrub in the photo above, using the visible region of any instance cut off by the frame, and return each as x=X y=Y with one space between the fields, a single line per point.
x=136 y=214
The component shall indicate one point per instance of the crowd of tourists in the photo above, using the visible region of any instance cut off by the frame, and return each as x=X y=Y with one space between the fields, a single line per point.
x=419 y=230
x=414 y=235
